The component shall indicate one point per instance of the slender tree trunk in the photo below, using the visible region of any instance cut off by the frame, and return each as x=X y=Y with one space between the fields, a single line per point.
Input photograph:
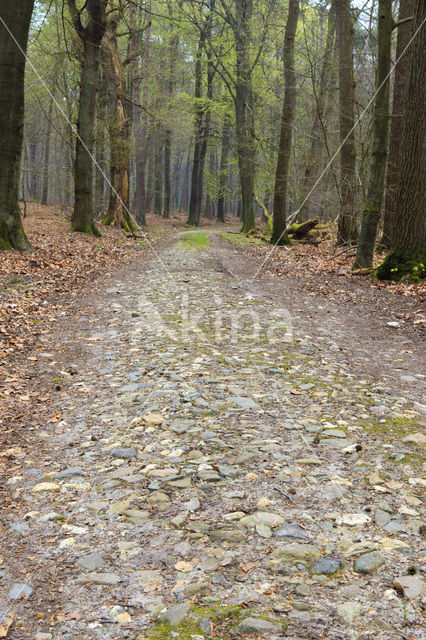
x=46 y=155
x=184 y=196
x=159 y=172
x=119 y=131
x=16 y=17
x=150 y=180
x=346 y=231
x=139 y=116
x=312 y=165
x=100 y=143
x=167 y=165
x=372 y=208
x=407 y=258
x=244 y=112
x=223 y=171
x=279 y=219
x=33 y=173
x=194 y=205
x=404 y=31
x=91 y=36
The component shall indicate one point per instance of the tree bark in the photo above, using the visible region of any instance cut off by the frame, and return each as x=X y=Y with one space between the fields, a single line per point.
x=119 y=130
x=139 y=116
x=346 y=231
x=407 y=259
x=279 y=219
x=223 y=171
x=372 y=208
x=16 y=17
x=46 y=155
x=91 y=36
x=244 y=113
x=312 y=165
x=167 y=165
x=194 y=206
x=400 y=78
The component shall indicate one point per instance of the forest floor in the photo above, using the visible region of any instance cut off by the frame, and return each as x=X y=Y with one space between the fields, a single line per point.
x=198 y=449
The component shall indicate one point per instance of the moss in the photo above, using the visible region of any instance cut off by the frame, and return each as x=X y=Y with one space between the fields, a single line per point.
x=406 y=267
x=194 y=240
x=392 y=426
x=240 y=239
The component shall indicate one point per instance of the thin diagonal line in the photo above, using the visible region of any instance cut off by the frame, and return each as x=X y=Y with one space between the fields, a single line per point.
x=339 y=148
x=73 y=129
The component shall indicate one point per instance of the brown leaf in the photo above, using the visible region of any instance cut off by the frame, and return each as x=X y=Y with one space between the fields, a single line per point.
x=5 y=626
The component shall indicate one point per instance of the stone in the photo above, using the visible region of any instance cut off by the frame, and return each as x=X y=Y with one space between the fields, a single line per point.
x=297 y=550
x=326 y=566
x=108 y=579
x=333 y=433
x=175 y=614
x=19 y=591
x=243 y=403
x=43 y=636
x=348 y=611
x=96 y=507
x=153 y=419
x=258 y=626
x=411 y=586
x=291 y=531
x=302 y=589
x=182 y=426
x=369 y=562
x=167 y=472
x=353 y=519
x=415 y=438
x=122 y=452
x=149 y=576
x=223 y=535
x=334 y=491
x=45 y=486
x=381 y=518
x=68 y=473
x=263 y=531
x=262 y=517
x=91 y=562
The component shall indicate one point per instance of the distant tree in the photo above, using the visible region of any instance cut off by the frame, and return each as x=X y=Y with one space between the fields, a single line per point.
x=407 y=258
x=14 y=26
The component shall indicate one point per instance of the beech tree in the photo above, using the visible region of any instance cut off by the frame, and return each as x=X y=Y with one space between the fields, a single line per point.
x=346 y=230
x=91 y=36
x=279 y=219
x=14 y=26
x=407 y=258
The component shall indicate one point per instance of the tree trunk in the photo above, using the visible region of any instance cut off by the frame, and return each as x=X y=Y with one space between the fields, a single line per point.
x=407 y=259
x=223 y=171
x=16 y=17
x=244 y=113
x=139 y=116
x=184 y=195
x=346 y=231
x=159 y=171
x=194 y=206
x=372 y=208
x=91 y=36
x=404 y=31
x=312 y=165
x=119 y=131
x=100 y=143
x=279 y=218
x=167 y=164
x=46 y=155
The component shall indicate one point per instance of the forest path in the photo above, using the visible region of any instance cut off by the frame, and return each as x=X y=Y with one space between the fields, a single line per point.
x=214 y=467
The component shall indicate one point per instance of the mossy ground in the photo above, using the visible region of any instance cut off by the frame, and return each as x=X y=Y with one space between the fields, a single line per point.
x=224 y=620
x=194 y=240
x=399 y=267
x=240 y=239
